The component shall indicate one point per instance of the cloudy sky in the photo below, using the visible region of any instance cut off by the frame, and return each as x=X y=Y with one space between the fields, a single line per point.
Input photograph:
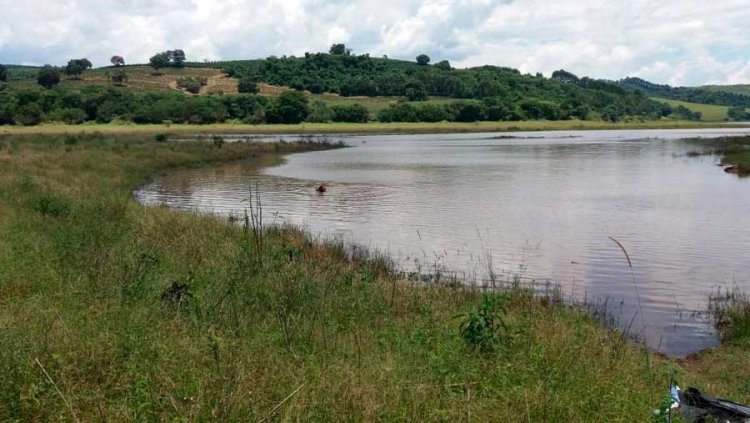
x=680 y=42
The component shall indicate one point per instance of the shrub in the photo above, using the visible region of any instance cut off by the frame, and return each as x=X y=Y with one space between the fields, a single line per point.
x=351 y=113
x=161 y=137
x=29 y=115
x=192 y=84
x=118 y=77
x=320 y=112
x=50 y=205
x=483 y=327
x=288 y=107
x=48 y=76
x=248 y=85
x=402 y=112
x=72 y=116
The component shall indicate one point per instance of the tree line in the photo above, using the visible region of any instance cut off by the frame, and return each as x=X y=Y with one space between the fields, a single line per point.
x=107 y=104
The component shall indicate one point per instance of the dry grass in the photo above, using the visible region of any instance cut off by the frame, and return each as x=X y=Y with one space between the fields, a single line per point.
x=349 y=128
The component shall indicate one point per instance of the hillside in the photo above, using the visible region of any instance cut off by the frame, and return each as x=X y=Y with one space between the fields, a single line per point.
x=709 y=112
x=736 y=89
x=730 y=97
x=338 y=86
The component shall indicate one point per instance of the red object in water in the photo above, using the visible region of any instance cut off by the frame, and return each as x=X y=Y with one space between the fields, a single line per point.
x=322 y=188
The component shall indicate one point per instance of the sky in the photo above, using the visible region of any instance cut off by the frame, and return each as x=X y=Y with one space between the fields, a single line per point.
x=678 y=42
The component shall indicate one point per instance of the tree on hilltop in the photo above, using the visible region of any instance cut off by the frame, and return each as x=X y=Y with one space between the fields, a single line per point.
x=173 y=58
x=159 y=60
x=564 y=76
x=48 y=76
x=176 y=58
x=423 y=59
x=75 y=67
x=339 y=50
x=117 y=61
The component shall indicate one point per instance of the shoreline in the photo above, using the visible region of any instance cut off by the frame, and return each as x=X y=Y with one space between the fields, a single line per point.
x=574 y=304
x=180 y=312
x=372 y=128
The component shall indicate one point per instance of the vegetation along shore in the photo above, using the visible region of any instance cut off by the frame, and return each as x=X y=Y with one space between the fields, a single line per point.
x=111 y=310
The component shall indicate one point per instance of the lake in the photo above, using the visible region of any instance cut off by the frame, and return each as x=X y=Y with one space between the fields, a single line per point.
x=540 y=206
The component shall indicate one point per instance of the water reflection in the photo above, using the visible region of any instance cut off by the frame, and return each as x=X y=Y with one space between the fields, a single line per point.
x=545 y=204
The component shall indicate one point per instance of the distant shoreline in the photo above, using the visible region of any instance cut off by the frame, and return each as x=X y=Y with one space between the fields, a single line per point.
x=359 y=128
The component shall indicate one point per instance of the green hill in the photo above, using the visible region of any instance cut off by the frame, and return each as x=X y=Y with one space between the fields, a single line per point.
x=709 y=112
x=342 y=87
x=719 y=96
x=735 y=89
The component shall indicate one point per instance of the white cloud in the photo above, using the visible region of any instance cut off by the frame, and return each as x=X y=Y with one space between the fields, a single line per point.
x=682 y=42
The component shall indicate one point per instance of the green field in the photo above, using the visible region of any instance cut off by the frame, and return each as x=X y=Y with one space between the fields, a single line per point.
x=743 y=89
x=710 y=113
x=113 y=311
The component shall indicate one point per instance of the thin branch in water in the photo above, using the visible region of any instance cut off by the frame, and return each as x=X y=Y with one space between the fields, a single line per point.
x=635 y=284
x=627 y=256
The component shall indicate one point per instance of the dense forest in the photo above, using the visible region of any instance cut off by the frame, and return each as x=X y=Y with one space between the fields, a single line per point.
x=486 y=93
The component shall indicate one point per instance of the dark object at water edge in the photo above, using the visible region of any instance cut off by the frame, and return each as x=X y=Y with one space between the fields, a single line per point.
x=697 y=407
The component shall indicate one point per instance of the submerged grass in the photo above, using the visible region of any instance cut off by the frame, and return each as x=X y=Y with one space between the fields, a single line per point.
x=113 y=311
x=730 y=311
x=733 y=152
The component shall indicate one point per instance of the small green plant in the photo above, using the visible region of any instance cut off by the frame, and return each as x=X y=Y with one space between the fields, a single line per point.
x=177 y=295
x=51 y=205
x=160 y=137
x=218 y=141
x=483 y=327
x=665 y=413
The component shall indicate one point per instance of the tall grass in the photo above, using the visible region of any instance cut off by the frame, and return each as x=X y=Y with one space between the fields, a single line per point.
x=730 y=310
x=113 y=311
x=733 y=152
x=351 y=128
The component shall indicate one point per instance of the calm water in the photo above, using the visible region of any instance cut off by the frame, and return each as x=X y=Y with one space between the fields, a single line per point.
x=542 y=205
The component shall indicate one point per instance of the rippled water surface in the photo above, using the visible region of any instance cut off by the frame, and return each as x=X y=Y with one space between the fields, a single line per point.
x=541 y=204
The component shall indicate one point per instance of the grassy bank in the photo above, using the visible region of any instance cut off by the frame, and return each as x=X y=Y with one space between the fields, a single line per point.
x=113 y=311
x=350 y=128
x=733 y=152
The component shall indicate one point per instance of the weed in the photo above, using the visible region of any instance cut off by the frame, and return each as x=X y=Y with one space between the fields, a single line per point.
x=51 y=205
x=483 y=327
x=177 y=295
